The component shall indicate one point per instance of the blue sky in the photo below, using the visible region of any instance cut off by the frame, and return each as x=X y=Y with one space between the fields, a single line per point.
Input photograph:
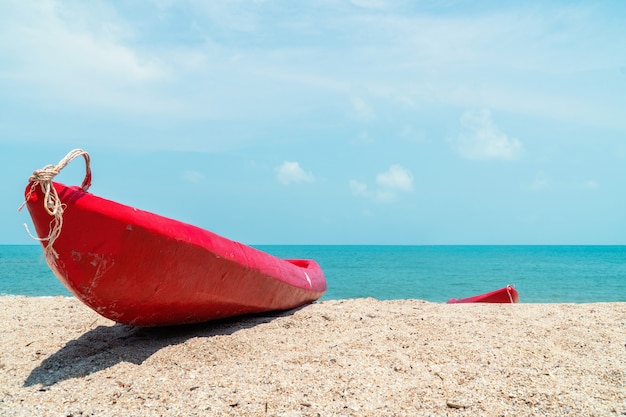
x=329 y=121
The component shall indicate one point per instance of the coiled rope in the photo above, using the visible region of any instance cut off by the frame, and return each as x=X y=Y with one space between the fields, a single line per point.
x=51 y=202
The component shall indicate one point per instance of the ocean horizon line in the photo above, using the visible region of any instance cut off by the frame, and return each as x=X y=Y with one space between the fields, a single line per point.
x=436 y=273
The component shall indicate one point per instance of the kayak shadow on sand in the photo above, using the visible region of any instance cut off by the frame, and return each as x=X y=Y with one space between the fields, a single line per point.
x=106 y=346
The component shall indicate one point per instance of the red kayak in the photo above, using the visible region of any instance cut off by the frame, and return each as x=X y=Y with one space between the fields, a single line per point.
x=504 y=295
x=142 y=269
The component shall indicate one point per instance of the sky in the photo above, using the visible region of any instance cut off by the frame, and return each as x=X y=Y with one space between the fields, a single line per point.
x=326 y=122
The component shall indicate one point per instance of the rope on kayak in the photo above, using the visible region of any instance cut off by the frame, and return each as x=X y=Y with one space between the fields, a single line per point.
x=51 y=202
x=508 y=291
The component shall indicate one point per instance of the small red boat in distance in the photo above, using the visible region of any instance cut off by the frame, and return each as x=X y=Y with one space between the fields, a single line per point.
x=142 y=269
x=506 y=295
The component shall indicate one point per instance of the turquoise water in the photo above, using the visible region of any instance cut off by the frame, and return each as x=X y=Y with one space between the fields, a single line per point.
x=23 y=271
x=541 y=274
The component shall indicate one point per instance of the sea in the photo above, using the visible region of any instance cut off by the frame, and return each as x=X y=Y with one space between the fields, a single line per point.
x=541 y=274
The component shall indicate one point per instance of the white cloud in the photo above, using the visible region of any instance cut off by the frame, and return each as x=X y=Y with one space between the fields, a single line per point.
x=79 y=47
x=291 y=172
x=481 y=138
x=396 y=179
x=225 y=61
x=79 y=54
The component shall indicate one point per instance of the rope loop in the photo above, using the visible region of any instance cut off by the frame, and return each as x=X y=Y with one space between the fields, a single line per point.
x=509 y=289
x=51 y=202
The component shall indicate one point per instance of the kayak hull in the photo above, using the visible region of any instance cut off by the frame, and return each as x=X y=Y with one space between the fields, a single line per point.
x=506 y=295
x=142 y=269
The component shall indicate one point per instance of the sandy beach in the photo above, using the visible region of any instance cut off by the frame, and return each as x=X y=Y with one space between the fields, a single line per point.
x=359 y=357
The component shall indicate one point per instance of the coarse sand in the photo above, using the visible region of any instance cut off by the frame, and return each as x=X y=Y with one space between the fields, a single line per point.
x=357 y=357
